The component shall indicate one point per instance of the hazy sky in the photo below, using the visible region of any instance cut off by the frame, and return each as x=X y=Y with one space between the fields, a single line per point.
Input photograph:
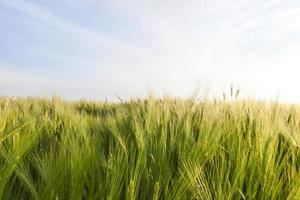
x=103 y=48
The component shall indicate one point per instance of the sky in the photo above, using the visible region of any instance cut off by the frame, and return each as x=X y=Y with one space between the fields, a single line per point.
x=98 y=49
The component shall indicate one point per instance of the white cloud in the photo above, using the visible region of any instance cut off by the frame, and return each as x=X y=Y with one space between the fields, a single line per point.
x=247 y=43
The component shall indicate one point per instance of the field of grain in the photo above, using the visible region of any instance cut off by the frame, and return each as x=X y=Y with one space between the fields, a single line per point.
x=149 y=149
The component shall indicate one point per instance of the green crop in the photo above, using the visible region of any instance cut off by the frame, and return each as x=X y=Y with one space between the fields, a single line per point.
x=149 y=149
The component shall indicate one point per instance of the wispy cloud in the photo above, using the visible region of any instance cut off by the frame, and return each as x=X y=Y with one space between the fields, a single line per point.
x=181 y=45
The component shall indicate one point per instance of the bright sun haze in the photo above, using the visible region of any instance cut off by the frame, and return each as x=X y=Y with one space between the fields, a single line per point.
x=97 y=49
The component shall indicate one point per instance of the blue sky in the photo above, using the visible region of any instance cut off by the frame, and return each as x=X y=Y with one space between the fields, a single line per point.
x=98 y=49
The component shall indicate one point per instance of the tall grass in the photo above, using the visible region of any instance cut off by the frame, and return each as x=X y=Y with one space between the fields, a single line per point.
x=149 y=149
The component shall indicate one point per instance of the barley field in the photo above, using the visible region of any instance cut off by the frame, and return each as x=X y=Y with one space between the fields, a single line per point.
x=149 y=149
